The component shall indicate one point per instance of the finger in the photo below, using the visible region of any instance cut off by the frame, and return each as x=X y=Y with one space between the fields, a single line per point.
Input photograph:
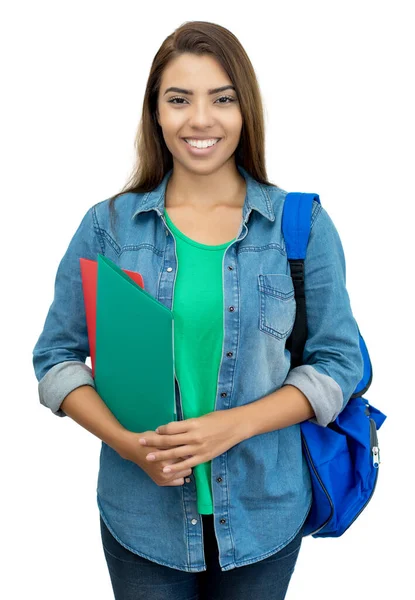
x=185 y=464
x=176 y=427
x=183 y=473
x=163 y=441
x=179 y=452
x=179 y=478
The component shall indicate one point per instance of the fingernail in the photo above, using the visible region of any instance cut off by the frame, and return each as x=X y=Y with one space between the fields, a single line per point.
x=151 y=457
x=166 y=470
x=142 y=441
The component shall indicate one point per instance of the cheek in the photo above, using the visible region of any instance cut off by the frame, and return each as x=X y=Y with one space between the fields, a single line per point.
x=238 y=123
x=173 y=120
x=169 y=132
x=170 y=122
x=234 y=125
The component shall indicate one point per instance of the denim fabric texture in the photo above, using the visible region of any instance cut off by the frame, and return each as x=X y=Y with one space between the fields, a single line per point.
x=261 y=487
x=136 y=578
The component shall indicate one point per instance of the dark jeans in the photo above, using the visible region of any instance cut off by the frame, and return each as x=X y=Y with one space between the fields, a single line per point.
x=135 y=578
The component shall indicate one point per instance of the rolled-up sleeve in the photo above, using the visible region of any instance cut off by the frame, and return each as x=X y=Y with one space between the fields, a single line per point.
x=62 y=348
x=332 y=362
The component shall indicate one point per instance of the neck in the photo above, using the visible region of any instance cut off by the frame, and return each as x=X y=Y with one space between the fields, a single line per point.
x=224 y=187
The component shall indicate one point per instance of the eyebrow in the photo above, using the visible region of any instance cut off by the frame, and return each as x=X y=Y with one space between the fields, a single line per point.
x=190 y=93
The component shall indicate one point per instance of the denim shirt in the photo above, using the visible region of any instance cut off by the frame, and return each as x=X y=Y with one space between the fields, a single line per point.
x=261 y=487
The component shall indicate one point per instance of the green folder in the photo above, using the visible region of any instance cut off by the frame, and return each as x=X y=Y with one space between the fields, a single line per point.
x=134 y=360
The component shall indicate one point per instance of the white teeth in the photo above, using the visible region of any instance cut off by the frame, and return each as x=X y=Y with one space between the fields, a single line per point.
x=201 y=143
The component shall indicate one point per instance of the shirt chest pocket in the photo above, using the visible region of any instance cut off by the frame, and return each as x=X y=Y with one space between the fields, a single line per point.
x=277 y=305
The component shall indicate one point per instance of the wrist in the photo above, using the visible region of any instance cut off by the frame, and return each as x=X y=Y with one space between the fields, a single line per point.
x=122 y=442
x=241 y=423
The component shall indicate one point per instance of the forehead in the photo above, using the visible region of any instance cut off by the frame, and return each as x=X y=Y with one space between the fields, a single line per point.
x=194 y=72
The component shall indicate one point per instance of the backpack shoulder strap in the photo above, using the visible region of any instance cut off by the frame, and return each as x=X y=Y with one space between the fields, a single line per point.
x=296 y=222
x=296 y=226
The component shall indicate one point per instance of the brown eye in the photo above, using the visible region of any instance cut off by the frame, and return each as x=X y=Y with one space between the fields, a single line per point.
x=226 y=98
x=175 y=98
x=230 y=98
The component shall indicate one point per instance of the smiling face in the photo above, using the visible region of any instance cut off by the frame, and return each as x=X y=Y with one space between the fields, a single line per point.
x=196 y=109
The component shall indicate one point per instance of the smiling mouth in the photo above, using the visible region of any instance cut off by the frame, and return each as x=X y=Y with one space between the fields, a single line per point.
x=202 y=147
x=201 y=139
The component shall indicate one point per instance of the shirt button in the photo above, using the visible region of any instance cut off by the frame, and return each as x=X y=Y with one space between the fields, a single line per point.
x=231 y=308
x=224 y=394
x=219 y=479
x=169 y=269
x=230 y=268
x=229 y=354
x=194 y=521
x=187 y=480
x=222 y=521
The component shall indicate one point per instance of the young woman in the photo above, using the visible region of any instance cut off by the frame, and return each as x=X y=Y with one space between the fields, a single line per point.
x=202 y=225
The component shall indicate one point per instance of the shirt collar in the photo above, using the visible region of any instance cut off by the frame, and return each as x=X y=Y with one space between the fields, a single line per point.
x=257 y=197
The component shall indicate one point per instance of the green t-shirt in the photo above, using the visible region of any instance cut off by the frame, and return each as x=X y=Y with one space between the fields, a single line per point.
x=198 y=337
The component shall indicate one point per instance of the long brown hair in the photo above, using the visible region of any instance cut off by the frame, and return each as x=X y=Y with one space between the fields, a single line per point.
x=153 y=158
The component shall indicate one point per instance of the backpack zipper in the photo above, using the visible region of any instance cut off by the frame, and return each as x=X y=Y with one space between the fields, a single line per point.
x=367 y=501
x=374 y=443
x=375 y=454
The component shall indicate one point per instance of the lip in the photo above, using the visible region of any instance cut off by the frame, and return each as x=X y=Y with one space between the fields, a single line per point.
x=194 y=137
x=201 y=151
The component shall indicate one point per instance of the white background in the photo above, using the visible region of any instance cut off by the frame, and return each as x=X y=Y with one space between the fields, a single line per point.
x=336 y=80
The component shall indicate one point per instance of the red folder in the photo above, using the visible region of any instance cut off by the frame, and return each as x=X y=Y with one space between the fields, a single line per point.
x=89 y=275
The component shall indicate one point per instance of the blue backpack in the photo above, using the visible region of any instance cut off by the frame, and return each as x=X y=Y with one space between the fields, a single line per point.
x=342 y=486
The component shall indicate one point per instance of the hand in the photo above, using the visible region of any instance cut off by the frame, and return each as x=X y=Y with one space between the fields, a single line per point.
x=193 y=441
x=132 y=450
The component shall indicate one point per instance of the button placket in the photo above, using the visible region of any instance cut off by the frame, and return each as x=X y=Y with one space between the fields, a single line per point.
x=229 y=354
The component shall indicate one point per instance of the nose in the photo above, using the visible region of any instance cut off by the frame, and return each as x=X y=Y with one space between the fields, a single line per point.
x=201 y=115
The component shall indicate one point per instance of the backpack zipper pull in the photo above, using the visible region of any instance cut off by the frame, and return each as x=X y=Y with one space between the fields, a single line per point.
x=376 y=457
